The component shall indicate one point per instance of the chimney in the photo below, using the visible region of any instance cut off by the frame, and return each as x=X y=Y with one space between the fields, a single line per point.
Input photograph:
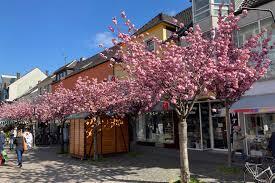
x=18 y=75
x=82 y=59
x=47 y=73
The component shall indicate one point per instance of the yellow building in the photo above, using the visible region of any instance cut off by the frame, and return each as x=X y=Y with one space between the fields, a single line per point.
x=162 y=27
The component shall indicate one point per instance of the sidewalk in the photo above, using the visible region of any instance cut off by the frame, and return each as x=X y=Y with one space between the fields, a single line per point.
x=147 y=164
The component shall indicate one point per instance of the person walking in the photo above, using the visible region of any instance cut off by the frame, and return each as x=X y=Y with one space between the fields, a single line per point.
x=11 y=139
x=2 y=146
x=2 y=140
x=29 y=139
x=19 y=142
x=271 y=145
x=237 y=143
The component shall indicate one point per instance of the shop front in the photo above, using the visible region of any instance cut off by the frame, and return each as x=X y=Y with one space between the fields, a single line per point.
x=257 y=117
x=206 y=127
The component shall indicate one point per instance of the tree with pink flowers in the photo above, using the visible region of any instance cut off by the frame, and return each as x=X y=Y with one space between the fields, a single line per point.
x=182 y=75
x=19 y=111
x=239 y=67
x=55 y=106
x=112 y=98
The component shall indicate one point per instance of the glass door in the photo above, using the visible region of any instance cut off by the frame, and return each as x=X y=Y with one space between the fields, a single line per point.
x=219 y=126
x=193 y=128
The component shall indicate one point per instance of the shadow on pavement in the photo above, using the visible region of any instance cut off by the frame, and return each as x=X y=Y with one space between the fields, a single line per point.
x=150 y=164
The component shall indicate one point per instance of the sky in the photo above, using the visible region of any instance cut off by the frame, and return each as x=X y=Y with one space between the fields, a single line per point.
x=41 y=33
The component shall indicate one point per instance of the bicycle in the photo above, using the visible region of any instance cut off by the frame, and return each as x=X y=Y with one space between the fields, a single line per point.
x=257 y=173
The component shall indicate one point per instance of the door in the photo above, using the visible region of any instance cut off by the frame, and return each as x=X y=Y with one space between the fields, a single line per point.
x=219 y=126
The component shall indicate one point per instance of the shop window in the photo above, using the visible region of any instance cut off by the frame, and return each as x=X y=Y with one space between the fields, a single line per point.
x=157 y=127
x=193 y=129
x=259 y=124
x=258 y=129
x=205 y=124
x=219 y=125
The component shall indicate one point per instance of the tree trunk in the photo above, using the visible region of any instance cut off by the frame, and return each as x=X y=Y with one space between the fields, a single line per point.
x=184 y=162
x=228 y=134
x=95 y=138
x=34 y=134
x=62 y=150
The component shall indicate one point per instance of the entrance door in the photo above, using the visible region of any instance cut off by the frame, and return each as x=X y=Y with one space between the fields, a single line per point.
x=219 y=126
x=219 y=132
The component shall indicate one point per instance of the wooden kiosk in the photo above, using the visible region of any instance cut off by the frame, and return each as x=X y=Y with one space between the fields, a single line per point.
x=112 y=135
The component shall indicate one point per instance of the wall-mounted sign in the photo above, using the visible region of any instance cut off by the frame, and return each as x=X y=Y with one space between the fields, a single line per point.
x=165 y=105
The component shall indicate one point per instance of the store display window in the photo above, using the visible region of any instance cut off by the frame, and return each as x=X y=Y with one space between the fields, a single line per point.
x=193 y=129
x=158 y=127
x=205 y=125
x=258 y=130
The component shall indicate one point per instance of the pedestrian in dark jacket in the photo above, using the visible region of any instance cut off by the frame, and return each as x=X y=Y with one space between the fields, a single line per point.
x=19 y=142
x=271 y=145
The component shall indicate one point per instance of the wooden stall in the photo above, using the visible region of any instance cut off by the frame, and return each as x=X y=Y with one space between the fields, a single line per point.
x=112 y=135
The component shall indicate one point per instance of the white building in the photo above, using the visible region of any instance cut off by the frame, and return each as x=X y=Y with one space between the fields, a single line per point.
x=25 y=84
x=256 y=109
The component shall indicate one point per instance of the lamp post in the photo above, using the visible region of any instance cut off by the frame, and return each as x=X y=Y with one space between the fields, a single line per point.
x=265 y=10
x=33 y=127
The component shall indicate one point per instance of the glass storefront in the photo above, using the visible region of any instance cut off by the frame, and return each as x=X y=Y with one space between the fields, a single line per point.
x=157 y=127
x=205 y=120
x=219 y=126
x=258 y=130
x=206 y=129
x=193 y=129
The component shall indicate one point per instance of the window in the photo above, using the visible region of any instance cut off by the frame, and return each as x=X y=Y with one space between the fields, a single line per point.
x=224 y=12
x=259 y=126
x=222 y=1
x=246 y=32
x=253 y=29
x=150 y=45
x=200 y=4
x=266 y=23
x=156 y=127
x=202 y=10
x=193 y=129
x=202 y=16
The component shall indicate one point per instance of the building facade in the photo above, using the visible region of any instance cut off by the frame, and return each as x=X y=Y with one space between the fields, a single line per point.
x=6 y=80
x=24 y=84
x=256 y=109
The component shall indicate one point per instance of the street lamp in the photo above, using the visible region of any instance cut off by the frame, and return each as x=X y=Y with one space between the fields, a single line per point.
x=33 y=127
x=266 y=10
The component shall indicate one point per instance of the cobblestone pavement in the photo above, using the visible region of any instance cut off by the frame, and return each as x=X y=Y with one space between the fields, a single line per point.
x=145 y=164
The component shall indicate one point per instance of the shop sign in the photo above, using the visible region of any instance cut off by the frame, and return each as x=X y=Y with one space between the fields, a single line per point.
x=165 y=105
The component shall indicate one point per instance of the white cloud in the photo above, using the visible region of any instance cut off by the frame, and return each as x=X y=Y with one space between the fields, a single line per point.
x=171 y=12
x=104 y=38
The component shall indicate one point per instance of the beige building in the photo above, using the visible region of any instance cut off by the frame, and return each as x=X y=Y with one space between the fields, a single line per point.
x=25 y=84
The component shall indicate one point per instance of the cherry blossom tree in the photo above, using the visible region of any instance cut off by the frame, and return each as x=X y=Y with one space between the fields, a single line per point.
x=184 y=74
x=19 y=111
x=239 y=67
x=55 y=106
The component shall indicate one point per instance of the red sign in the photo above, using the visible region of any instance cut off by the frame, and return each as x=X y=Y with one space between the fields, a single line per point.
x=165 y=105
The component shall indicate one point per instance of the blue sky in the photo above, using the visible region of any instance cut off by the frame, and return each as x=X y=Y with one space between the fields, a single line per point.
x=38 y=33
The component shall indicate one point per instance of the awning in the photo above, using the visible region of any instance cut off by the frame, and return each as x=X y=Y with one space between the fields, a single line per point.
x=82 y=115
x=255 y=104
